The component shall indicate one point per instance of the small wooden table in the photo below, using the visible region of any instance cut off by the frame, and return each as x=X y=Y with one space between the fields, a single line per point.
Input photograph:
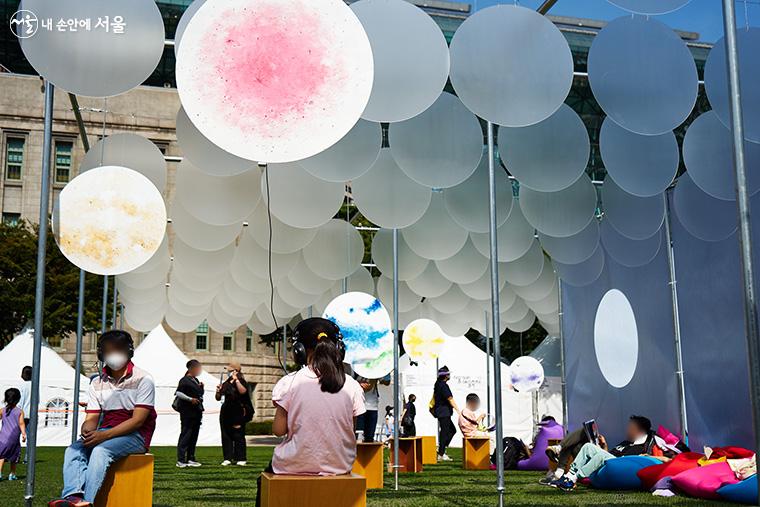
x=313 y=491
x=369 y=463
x=409 y=454
x=476 y=454
x=429 y=450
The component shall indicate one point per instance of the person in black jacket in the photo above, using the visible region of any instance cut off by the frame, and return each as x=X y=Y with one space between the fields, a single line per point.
x=189 y=404
x=236 y=411
x=408 y=428
x=443 y=408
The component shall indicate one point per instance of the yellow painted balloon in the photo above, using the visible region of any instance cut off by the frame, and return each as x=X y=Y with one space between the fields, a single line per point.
x=423 y=340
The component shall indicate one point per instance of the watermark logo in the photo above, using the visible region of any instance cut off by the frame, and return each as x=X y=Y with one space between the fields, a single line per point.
x=24 y=24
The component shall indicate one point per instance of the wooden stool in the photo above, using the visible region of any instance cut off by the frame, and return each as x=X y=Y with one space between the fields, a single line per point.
x=476 y=454
x=369 y=463
x=312 y=490
x=429 y=450
x=409 y=454
x=129 y=483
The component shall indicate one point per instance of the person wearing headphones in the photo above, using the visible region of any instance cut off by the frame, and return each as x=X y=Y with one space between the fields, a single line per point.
x=315 y=406
x=120 y=420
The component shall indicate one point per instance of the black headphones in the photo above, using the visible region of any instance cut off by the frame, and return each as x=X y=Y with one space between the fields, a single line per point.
x=116 y=336
x=299 y=349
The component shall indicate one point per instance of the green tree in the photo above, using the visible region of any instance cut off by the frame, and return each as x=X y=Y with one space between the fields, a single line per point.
x=18 y=271
x=513 y=345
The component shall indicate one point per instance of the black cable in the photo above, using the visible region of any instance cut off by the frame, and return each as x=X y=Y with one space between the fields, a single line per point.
x=269 y=260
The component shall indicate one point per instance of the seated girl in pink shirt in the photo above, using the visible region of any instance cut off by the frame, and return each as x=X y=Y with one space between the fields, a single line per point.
x=316 y=406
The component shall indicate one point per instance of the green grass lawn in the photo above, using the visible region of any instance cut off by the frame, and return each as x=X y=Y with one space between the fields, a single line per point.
x=439 y=485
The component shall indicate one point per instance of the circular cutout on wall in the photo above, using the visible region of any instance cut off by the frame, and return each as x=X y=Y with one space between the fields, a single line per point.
x=616 y=339
x=109 y=220
x=642 y=75
x=263 y=91
x=505 y=77
x=410 y=55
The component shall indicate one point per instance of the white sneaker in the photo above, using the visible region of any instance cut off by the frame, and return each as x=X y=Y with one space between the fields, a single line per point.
x=444 y=457
x=241 y=463
x=192 y=463
x=181 y=465
x=226 y=463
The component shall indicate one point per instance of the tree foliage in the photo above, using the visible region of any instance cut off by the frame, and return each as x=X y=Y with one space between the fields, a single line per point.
x=18 y=273
x=513 y=345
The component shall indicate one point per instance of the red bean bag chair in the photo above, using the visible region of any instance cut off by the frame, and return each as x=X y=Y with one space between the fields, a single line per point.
x=704 y=482
x=652 y=475
x=731 y=452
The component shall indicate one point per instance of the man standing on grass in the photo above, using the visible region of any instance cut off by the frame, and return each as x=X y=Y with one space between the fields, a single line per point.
x=120 y=421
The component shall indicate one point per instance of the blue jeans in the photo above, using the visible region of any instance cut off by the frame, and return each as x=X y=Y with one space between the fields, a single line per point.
x=84 y=468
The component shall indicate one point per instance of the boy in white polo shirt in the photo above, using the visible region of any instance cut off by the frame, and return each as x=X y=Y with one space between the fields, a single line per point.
x=124 y=397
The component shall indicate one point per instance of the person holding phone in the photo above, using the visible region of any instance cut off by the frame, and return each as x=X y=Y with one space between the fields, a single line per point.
x=237 y=410
x=189 y=404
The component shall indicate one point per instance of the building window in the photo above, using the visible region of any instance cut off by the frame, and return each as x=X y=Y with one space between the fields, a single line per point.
x=57 y=413
x=14 y=157
x=248 y=340
x=228 y=342
x=201 y=336
x=11 y=218
x=54 y=341
x=63 y=161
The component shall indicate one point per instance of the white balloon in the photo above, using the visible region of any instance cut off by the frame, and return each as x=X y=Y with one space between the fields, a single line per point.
x=359 y=281
x=632 y=216
x=454 y=300
x=257 y=260
x=387 y=196
x=572 y=249
x=467 y=203
x=203 y=262
x=582 y=273
x=527 y=269
x=350 y=157
x=515 y=313
x=435 y=236
x=560 y=214
x=541 y=288
x=465 y=267
x=407 y=299
x=128 y=150
x=285 y=239
x=423 y=340
x=430 y=283
x=305 y=280
x=336 y=251
x=514 y=237
x=143 y=280
x=410 y=265
x=179 y=291
x=217 y=200
x=183 y=323
x=526 y=373
x=294 y=297
x=298 y=198
x=200 y=235
x=259 y=327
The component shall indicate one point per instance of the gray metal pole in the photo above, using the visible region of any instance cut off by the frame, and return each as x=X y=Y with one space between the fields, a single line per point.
x=563 y=371
x=78 y=362
x=495 y=325
x=745 y=223
x=115 y=299
x=104 y=310
x=676 y=322
x=396 y=390
x=39 y=296
x=488 y=366
x=285 y=347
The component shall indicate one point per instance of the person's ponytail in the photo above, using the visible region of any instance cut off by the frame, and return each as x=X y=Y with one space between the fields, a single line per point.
x=327 y=364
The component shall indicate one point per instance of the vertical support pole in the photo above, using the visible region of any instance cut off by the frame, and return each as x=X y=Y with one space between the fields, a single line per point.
x=396 y=390
x=681 y=385
x=39 y=296
x=563 y=370
x=488 y=366
x=285 y=347
x=78 y=362
x=104 y=310
x=742 y=201
x=115 y=299
x=495 y=326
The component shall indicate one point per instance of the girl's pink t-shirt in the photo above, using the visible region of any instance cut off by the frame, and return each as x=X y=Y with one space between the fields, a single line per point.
x=320 y=438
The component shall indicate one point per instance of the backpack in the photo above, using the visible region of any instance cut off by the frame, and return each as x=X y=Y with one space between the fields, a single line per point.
x=514 y=451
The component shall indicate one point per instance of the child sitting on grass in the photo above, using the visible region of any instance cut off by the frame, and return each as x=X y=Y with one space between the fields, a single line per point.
x=13 y=428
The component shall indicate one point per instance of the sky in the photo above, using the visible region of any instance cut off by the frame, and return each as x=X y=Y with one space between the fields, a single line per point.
x=702 y=16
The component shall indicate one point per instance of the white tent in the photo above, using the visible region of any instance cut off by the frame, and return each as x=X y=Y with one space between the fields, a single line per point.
x=56 y=387
x=159 y=356
x=549 y=400
x=468 y=375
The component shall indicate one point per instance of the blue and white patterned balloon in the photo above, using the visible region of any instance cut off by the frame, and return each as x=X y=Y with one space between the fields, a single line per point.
x=367 y=332
x=526 y=374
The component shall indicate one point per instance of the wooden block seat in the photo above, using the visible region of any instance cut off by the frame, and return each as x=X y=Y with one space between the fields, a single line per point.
x=476 y=453
x=369 y=463
x=429 y=450
x=313 y=491
x=409 y=454
x=129 y=483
